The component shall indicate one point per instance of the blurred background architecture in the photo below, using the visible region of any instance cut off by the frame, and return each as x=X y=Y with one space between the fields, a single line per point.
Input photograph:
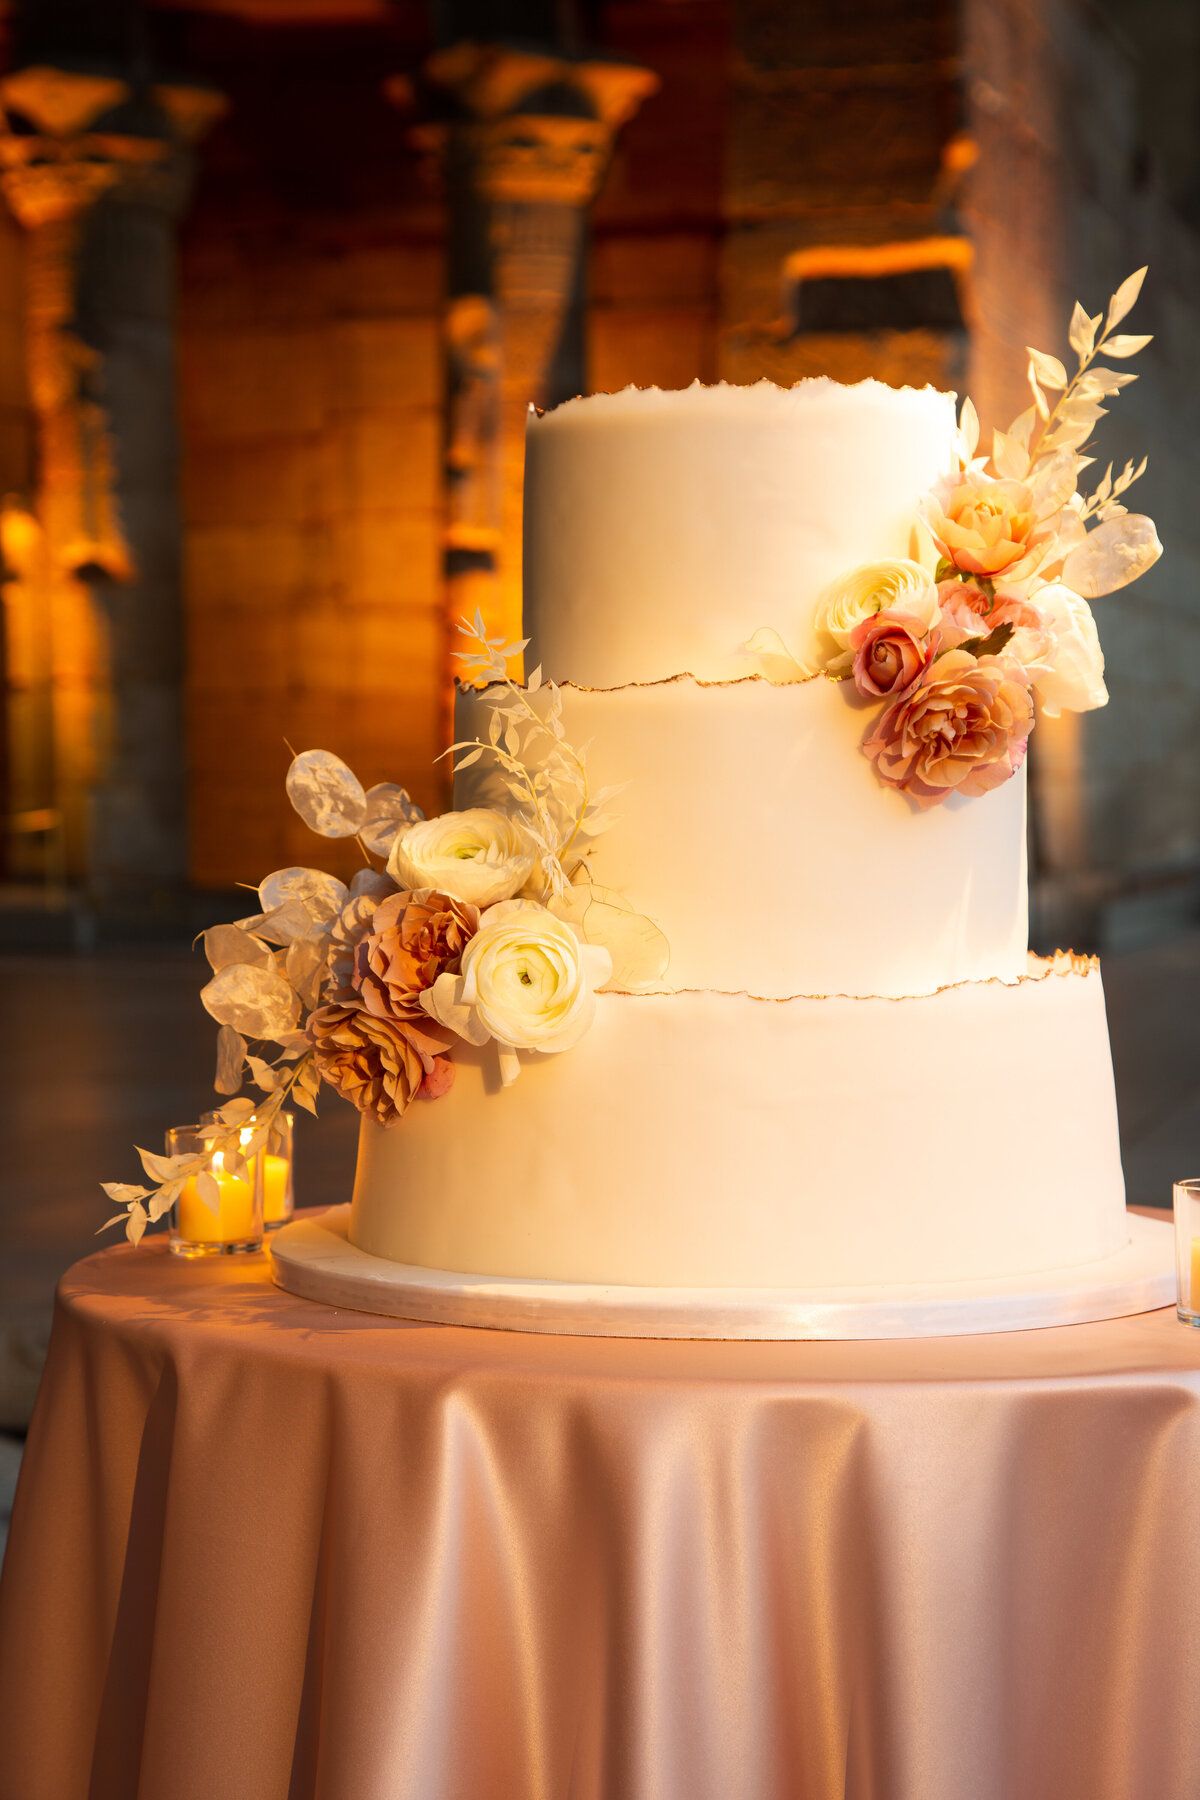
x=278 y=279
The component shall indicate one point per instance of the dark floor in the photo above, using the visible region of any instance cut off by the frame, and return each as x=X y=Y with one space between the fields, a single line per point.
x=104 y=1051
x=99 y=1053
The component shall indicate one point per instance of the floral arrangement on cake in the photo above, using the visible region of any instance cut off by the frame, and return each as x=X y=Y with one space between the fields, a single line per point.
x=481 y=926
x=992 y=608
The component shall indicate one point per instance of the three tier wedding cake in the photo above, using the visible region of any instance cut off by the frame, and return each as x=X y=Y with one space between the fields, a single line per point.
x=846 y=1020
x=716 y=973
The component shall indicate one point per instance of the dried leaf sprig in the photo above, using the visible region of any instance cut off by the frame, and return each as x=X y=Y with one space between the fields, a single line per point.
x=1043 y=430
x=1097 y=546
x=544 y=776
x=238 y=1132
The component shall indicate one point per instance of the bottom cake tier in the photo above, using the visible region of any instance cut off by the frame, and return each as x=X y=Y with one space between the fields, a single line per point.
x=708 y=1140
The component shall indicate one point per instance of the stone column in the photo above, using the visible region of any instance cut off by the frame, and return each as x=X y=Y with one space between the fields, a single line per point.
x=98 y=172
x=525 y=150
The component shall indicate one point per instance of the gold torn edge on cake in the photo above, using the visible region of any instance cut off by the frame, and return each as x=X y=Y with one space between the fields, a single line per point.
x=661 y=681
x=1061 y=963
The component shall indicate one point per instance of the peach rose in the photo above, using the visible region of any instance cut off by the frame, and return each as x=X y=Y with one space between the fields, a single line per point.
x=373 y=1063
x=412 y=939
x=984 y=526
x=963 y=729
x=891 y=652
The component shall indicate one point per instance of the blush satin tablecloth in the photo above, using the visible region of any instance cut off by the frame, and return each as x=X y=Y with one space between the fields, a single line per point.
x=266 y=1551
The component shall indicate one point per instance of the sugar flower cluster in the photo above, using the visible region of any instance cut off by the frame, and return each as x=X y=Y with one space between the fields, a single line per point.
x=482 y=927
x=991 y=610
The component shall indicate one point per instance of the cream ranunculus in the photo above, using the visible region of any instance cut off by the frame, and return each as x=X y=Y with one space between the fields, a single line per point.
x=526 y=980
x=1063 y=659
x=896 y=585
x=478 y=856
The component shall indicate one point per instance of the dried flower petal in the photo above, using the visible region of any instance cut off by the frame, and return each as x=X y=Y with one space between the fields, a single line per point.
x=288 y=924
x=231 y=1056
x=1112 y=556
x=305 y=966
x=225 y=944
x=371 y=884
x=328 y=796
x=323 y=895
x=388 y=809
x=639 y=950
x=257 y=1002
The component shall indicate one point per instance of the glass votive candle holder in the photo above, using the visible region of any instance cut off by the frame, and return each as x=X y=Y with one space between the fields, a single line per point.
x=1187 y=1249
x=235 y=1227
x=279 y=1200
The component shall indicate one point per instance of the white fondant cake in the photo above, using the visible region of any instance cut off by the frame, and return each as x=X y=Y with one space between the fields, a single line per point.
x=849 y=1078
x=755 y=834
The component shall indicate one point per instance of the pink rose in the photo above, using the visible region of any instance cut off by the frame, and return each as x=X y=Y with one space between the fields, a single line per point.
x=891 y=652
x=983 y=526
x=969 y=611
x=963 y=729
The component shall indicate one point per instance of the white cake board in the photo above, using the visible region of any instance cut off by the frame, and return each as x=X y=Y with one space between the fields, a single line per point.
x=313 y=1259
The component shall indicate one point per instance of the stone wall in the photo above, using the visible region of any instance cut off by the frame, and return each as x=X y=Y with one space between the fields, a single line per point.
x=657 y=227
x=25 y=674
x=311 y=393
x=1140 y=845
x=1066 y=199
x=312 y=383
x=844 y=139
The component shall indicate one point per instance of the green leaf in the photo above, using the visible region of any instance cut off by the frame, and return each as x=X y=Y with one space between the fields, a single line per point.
x=992 y=644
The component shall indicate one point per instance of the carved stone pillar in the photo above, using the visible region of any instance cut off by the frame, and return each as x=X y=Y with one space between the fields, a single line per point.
x=98 y=172
x=525 y=151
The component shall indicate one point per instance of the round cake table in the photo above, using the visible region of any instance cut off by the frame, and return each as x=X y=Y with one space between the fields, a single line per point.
x=263 y=1550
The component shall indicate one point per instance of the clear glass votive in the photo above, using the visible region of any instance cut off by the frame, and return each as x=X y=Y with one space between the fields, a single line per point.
x=279 y=1200
x=236 y=1227
x=1187 y=1249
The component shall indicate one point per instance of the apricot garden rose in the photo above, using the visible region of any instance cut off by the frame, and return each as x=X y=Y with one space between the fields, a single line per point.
x=372 y=1063
x=984 y=526
x=963 y=729
x=412 y=939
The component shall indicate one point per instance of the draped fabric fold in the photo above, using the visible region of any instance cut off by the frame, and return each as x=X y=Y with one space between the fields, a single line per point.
x=269 y=1551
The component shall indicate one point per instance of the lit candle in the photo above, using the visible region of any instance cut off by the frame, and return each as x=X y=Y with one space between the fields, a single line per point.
x=234 y=1219
x=276 y=1184
x=1193 y=1294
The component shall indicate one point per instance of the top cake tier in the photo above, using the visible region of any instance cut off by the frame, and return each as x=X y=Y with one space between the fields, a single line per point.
x=663 y=529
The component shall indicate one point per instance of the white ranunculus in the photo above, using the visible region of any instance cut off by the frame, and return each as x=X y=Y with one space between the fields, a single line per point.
x=526 y=980
x=479 y=856
x=1064 y=660
x=896 y=584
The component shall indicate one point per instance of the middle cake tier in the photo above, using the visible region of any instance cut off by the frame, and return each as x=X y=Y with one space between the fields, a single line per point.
x=756 y=834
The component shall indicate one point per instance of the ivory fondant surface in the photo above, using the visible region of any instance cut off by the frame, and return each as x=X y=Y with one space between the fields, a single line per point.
x=707 y=1140
x=756 y=834
x=662 y=529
